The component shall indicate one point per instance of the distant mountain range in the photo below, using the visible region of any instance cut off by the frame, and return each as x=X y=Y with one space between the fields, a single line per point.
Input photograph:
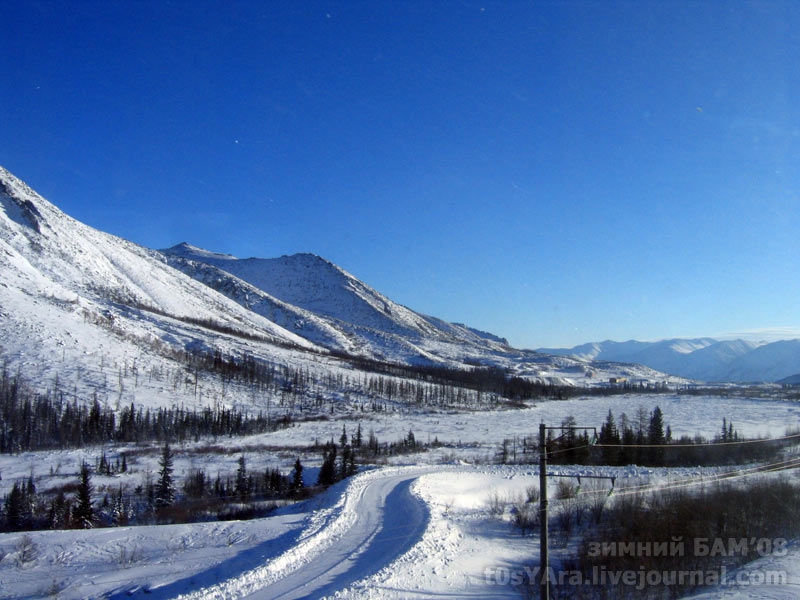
x=90 y=312
x=704 y=359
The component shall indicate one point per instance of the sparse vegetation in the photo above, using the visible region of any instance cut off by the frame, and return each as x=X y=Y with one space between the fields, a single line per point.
x=695 y=530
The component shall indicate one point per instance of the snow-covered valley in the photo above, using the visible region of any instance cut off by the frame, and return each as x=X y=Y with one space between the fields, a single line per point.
x=425 y=525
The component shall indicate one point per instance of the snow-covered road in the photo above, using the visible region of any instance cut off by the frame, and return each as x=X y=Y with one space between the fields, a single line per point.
x=376 y=520
x=388 y=521
x=391 y=533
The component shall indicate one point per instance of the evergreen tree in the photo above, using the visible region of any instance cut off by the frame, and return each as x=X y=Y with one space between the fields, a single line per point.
x=58 y=516
x=656 y=437
x=297 y=477
x=609 y=439
x=344 y=462
x=119 y=511
x=627 y=455
x=242 y=481
x=327 y=472
x=165 y=488
x=83 y=514
x=15 y=508
x=372 y=443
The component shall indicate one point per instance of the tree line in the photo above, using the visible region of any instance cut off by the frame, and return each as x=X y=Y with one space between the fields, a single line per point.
x=32 y=421
x=77 y=505
x=644 y=439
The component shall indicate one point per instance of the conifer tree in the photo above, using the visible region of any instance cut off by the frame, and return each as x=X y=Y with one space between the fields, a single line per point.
x=297 y=477
x=327 y=472
x=83 y=514
x=165 y=488
x=610 y=439
x=242 y=481
x=59 y=515
x=14 y=508
x=656 y=437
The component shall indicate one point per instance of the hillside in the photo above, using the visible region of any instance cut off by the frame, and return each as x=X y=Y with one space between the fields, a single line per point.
x=103 y=317
x=328 y=305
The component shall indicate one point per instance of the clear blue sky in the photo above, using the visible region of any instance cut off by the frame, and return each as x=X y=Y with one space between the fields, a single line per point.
x=553 y=172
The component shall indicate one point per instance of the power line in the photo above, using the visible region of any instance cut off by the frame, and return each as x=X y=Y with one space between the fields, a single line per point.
x=695 y=445
x=757 y=470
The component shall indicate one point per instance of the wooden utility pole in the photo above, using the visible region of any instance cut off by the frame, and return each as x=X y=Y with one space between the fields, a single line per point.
x=544 y=581
x=544 y=566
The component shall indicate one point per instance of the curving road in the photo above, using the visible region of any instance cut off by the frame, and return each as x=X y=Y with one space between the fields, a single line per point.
x=389 y=520
x=377 y=520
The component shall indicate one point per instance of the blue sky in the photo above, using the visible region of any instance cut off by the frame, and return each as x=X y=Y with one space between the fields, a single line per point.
x=553 y=172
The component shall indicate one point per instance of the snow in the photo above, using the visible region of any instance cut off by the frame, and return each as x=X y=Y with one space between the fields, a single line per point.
x=87 y=314
x=768 y=578
x=395 y=532
x=425 y=526
x=703 y=359
x=101 y=315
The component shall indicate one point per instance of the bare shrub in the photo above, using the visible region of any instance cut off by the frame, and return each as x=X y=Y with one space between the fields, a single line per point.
x=525 y=516
x=496 y=504
x=565 y=489
x=130 y=556
x=27 y=551
x=566 y=520
x=533 y=493
x=55 y=588
x=448 y=506
x=597 y=505
x=762 y=511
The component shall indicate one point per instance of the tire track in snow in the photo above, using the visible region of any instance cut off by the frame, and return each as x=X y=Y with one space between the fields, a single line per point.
x=376 y=520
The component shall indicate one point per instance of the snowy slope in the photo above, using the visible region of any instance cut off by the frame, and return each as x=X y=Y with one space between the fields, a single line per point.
x=632 y=350
x=74 y=300
x=331 y=307
x=770 y=362
x=329 y=298
x=392 y=533
x=82 y=307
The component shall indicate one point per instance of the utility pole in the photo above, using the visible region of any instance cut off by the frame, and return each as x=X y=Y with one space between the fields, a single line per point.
x=544 y=581
x=544 y=566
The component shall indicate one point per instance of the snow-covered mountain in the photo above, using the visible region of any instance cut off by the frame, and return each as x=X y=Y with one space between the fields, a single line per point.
x=82 y=307
x=329 y=306
x=704 y=359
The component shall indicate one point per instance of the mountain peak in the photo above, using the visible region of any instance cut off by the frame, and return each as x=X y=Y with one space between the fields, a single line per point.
x=18 y=203
x=308 y=259
x=187 y=250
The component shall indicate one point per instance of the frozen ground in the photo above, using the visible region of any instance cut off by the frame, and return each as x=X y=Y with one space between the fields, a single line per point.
x=397 y=532
x=466 y=436
x=428 y=528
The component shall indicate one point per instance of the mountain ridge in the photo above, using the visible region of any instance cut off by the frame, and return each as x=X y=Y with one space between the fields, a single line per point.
x=88 y=311
x=705 y=359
